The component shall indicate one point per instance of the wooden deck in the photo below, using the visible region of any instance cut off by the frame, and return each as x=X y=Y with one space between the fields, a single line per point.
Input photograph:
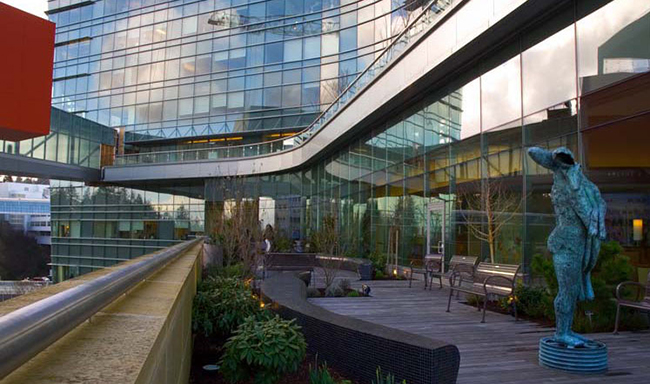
x=499 y=351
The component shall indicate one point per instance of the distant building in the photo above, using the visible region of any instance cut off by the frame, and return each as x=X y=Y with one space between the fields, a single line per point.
x=27 y=208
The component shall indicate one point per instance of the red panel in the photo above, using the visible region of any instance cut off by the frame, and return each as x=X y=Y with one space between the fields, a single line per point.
x=27 y=49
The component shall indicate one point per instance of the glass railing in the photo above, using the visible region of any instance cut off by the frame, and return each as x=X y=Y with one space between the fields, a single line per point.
x=433 y=11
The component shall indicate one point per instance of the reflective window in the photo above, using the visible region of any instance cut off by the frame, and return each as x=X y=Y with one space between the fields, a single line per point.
x=613 y=43
x=553 y=58
x=501 y=94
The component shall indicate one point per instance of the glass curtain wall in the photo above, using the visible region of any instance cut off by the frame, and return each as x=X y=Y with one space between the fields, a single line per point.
x=96 y=227
x=171 y=69
x=558 y=85
x=72 y=140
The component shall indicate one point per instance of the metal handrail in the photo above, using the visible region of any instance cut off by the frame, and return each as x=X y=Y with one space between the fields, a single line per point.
x=27 y=331
x=303 y=136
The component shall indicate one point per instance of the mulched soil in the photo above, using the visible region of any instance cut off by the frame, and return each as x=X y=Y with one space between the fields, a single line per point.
x=208 y=351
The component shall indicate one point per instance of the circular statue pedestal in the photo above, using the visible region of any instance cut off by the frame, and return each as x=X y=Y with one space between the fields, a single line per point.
x=591 y=358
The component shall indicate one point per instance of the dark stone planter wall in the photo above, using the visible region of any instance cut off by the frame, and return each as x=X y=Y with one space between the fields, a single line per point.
x=361 y=266
x=356 y=347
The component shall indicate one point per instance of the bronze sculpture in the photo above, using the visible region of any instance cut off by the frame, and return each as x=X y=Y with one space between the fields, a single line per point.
x=575 y=240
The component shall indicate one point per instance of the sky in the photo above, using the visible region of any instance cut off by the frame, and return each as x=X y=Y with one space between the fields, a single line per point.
x=37 y=7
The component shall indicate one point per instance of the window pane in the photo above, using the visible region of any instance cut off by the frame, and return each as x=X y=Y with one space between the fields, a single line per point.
x=501 y=94
x=613 y=43
x=551 y=60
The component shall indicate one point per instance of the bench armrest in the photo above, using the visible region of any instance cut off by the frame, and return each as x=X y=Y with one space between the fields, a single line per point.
x=452 y=278
x=510 y=282
x=640 y=287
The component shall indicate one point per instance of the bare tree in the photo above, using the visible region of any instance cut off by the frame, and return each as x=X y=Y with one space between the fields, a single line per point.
x=494 y=204
x=236 y=226
x=249 y=232
x=326 y=241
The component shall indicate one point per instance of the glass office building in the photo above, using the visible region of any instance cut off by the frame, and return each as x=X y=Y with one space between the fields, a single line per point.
x=577 y=77
x=243 y=70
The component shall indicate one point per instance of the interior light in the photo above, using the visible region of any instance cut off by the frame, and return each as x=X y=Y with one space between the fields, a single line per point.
x=637 y=229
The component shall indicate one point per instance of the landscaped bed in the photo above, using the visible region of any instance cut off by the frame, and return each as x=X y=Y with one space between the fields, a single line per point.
x=201 y=357
x=535 y=303
x=238 y=340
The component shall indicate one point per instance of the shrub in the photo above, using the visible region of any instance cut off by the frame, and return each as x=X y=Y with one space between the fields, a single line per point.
x=533 y=301
x=388 y=379
x=353 y=294
x=611 y=269
x=234 y=270
x=379 y=274
x=378 y=260
x=351 y=253
x=321 y=375
x=221 y=304
x=474 y=300
x=265 y=350
x=282 y=242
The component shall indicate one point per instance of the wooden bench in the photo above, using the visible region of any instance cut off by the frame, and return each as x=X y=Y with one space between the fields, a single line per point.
x=642 y=304
x=486 y=279
x=289 y=262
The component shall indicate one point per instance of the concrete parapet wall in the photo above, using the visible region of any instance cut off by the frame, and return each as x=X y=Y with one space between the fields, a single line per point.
x=143 y=337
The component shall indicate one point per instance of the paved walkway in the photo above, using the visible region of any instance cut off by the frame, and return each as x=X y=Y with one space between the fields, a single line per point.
x=499 y=351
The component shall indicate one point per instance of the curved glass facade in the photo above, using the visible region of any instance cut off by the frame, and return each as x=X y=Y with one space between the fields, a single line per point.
x=579 y=79
x=177 y=69
x=548 y=88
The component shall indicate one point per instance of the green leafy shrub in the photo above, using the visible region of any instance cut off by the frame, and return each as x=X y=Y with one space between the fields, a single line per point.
x=265 y=350
x=379 y=274
x=353 y=294
x=234 y=270
x=282 y=242
x=221 y=304
x=474 y=300
x=533 y=301
x=381 y=379
x=611 y=269
x=351 y=253
x=378 y=260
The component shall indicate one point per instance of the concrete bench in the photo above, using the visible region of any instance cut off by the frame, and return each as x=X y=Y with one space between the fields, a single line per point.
x=486 y=279
x=641 y=304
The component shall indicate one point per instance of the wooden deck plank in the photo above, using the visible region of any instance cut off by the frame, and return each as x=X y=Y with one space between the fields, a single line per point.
x=498 y=351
